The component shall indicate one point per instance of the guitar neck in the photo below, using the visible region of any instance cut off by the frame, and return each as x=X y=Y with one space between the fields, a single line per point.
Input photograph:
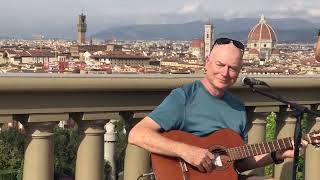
x=250 y=150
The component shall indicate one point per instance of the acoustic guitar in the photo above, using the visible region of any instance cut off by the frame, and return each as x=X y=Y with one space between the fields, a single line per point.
x=227 y=147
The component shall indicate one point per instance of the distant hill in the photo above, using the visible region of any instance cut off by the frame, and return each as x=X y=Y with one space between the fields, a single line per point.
x=287 y=29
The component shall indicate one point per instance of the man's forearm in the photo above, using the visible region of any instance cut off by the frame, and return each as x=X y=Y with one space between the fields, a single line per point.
x=254 y=162
x=153 y=141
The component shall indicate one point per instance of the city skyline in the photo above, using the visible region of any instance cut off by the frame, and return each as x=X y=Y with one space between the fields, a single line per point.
x=59 y=18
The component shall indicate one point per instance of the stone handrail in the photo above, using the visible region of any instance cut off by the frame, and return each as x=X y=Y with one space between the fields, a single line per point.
x=40 y=101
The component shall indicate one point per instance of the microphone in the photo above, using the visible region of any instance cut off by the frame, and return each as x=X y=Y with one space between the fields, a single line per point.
x=250 y=81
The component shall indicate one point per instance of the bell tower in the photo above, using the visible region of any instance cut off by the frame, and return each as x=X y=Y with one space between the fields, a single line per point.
x=208 y=39
x=82 y=29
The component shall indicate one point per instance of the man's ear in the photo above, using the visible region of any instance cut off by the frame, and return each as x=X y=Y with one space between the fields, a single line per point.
x=206 y=60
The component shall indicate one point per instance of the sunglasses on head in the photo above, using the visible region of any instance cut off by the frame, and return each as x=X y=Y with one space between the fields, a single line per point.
x=236 y=43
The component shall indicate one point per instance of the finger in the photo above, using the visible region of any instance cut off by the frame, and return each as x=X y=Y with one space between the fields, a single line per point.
x=206 y=166
x=304 y=142
x=201 y=169
x=210 y=164
x=210 y=155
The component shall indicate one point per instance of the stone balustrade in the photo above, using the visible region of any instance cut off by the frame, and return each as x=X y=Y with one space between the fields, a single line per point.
x=40 y=101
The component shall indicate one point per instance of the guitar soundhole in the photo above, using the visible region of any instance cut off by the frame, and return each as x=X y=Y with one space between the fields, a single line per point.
x=222 y=159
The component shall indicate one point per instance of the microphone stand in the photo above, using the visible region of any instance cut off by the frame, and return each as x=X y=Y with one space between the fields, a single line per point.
x=299 y=111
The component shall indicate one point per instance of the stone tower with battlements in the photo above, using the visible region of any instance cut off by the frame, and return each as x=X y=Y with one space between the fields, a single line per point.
x=82 y=28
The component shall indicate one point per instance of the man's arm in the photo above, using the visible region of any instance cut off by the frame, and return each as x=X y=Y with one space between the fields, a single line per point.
x=266 y=159
x=146 y=134
x=254 y=162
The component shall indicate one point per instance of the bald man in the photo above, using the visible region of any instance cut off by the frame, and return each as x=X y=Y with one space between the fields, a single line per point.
x=197 y=107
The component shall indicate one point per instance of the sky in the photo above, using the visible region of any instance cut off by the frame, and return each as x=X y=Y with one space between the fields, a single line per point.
x=59 y=17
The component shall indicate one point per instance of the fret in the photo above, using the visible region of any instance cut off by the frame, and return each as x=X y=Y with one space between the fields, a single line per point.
x=268 y=146
x=229 y=154
x=259 y=149
x=250 y=151
x=250 y=147
x=234 y=155
x=242 y=152
x=284 y=144
x=279 y=145
x=247 y=149
x=238 y=153
x=263 y=152
x=290 y=142
x=254 y=148
x=264 y=147
x=273 y=146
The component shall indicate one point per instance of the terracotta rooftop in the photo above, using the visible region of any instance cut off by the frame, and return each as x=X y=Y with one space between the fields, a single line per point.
x=196 y=43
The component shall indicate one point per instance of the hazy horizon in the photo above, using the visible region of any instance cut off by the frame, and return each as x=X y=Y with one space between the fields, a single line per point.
x=59 y=18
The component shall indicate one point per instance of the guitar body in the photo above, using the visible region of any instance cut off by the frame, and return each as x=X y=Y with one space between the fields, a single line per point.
x=169 y=168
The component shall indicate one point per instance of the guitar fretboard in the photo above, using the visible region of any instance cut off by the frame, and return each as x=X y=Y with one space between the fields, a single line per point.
x=250 y=150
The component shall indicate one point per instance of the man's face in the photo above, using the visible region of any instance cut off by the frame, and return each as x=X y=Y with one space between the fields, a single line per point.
x=223 y=66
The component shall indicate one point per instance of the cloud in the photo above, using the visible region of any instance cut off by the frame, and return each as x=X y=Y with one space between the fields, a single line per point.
x=314 y=12
x=190 y=7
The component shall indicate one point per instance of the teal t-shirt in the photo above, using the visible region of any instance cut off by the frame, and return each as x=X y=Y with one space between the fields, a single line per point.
x=193 y=109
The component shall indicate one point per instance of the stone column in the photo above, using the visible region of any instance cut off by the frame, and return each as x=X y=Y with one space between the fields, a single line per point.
x=39 y=152
x=285 y=128
x=90 y=161
x=38 y=157
x=109 y=145
x=312 y=156
x=137 y=160
x=257 y=133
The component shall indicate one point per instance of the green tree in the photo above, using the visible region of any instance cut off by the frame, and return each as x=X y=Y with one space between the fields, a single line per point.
x=65 y=150
x=11 y=151
x=270 y=135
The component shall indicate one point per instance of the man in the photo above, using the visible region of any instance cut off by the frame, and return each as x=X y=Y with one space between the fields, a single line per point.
x=197 y=107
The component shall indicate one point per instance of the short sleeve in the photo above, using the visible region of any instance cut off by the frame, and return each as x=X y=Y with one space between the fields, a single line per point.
x=170 y=113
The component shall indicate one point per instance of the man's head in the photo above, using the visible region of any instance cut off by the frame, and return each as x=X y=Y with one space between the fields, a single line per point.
x=224 y=63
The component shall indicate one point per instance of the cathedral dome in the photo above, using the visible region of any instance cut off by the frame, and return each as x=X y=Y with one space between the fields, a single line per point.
x=262 y=31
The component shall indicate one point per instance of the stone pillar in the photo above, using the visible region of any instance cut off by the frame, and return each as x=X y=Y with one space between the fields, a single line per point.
x=137 y=162
x=257 y=133
x=312 y=156
x=285 y=128
x=90 y=161
x=38 y=157
x=109 y=145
